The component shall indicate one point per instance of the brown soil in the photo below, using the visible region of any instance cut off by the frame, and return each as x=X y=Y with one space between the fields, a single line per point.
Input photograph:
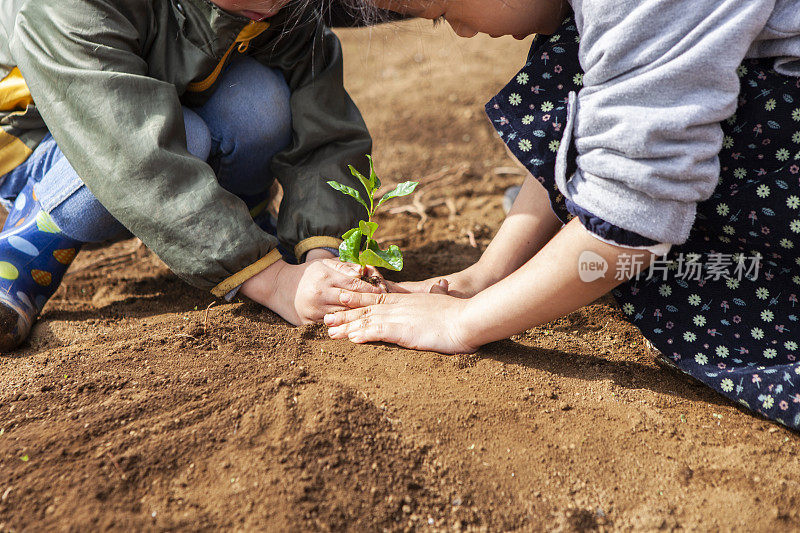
x=377 y=281
x=136 y=407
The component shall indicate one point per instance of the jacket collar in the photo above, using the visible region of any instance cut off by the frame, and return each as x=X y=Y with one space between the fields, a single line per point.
x=219 y=21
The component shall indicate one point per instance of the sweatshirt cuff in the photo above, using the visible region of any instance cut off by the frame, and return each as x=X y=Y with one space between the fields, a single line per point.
x=661 y=220
x=243 y=275
x=315 y=242
x=608 y=231
x=660 y=249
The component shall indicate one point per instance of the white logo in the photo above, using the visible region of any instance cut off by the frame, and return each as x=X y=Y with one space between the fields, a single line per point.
x=591 y=266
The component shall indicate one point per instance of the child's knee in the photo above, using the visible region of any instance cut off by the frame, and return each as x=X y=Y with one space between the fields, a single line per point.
x=198 y=136
x=254 y=102
x=266 y=122
x=274 y=115
x=276 y=106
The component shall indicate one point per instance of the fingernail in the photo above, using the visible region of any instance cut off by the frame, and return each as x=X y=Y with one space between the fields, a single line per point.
x=345 y=298
x=329 y=319
x=334 y=331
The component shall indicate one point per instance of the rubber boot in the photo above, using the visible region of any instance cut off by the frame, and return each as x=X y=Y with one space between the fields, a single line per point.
x=34 y=255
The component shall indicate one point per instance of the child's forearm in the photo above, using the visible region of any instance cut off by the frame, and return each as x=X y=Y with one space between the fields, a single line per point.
x=546 y=287
x=318 y=253
x=264 y=287
x=530 y=224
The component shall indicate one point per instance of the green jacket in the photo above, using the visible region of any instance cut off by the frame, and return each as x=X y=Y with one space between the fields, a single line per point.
x=108 y=78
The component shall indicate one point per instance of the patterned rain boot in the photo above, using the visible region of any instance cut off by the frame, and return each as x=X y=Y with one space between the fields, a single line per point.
x=34 y=255
x=25 y=202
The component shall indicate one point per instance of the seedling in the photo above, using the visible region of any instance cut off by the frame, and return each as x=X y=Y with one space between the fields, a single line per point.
x=359 y=245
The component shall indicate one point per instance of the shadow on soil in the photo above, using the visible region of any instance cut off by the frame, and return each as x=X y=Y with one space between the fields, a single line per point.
x=630 y=375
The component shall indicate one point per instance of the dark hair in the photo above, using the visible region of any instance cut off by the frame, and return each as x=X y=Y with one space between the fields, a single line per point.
x=344 y=13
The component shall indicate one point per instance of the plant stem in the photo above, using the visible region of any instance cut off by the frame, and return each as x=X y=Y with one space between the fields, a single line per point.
x=371 y=204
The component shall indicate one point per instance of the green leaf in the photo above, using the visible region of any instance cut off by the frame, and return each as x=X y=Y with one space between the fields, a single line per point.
x=402 y=189
x=376 y=182
x=349 y=233
x=374 y=256
x=351 y=245
x=364 y=181
x=368 y=229
x=344 y=189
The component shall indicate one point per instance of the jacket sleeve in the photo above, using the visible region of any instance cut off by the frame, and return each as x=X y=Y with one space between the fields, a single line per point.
x=124 y=135
x=659 y=77
x=329 y=133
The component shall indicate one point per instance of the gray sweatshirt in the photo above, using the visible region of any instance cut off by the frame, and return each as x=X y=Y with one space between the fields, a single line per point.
x=659 y=77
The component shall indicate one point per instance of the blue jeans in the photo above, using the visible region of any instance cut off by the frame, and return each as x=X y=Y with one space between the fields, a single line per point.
x=238 y=131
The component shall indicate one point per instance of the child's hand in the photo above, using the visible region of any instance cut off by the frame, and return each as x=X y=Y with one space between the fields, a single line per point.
x=318 y=253
x=451 y=285
x=464 y=284
x=418 y=321
x=303 y=294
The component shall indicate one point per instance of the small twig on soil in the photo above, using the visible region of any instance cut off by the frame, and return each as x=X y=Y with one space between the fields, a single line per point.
x=439 y=174
x=116 y=466
x=409 y=208
x=205 y=318
x=417 y=208
x=6 y=493
x=185 y=335
x=421 y=209
x=396 y=237
x=514 y=171
x=451 y=205
x=471 y=236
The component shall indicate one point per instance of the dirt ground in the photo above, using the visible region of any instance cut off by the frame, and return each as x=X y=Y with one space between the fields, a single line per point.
x=135 y=407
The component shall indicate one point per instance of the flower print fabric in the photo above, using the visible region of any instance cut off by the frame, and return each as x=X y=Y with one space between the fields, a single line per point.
x=530 y=113
x=723 y=307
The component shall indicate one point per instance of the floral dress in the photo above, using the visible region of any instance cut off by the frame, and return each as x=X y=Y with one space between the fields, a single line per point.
x=723 y=307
